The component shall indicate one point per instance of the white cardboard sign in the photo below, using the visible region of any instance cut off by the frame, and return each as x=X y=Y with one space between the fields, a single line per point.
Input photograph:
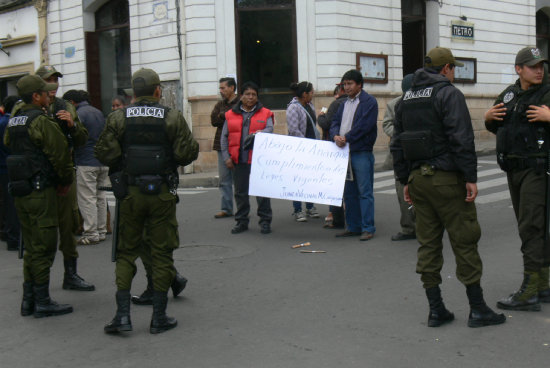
x=298 y=169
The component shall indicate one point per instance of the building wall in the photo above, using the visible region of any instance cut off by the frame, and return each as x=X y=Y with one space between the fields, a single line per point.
x=330 y=33
x=66 y=30
x=23 y=57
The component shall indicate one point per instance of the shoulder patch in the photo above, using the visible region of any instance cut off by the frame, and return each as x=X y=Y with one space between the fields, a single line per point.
x=508 y=97
x=17 y=120
x=145 y=111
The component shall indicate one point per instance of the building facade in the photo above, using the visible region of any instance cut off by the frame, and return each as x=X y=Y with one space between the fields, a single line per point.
x=97 y=44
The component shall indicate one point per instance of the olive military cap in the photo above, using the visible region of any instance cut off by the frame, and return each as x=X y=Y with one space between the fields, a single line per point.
x=439 y=56
x=144 y=78
x=33 y=83
x=529 y=56
x=46 y=71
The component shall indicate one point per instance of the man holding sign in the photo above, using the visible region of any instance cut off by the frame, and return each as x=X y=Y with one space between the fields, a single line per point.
x=355 y=123
x=241 y=123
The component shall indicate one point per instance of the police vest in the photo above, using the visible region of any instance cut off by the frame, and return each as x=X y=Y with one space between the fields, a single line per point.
x=517 y=137
x=258 y=121
x=146 y=148
x=26 y=160
x=423 y=137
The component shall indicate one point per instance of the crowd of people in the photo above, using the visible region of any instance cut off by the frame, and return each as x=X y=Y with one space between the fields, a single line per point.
x=139 y=146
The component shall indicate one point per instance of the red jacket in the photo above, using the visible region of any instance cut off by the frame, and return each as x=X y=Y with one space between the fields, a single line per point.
x=258 y=121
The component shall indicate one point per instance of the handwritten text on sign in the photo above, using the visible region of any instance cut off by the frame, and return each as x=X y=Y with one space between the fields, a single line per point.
x=298 y=169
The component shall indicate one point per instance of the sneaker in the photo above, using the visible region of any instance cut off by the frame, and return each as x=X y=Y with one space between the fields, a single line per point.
x=300 y=216
x=312 y=213
x=87 y=241
x=102 y=237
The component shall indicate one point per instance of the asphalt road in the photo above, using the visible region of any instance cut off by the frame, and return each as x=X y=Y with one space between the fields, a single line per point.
x=252 y=301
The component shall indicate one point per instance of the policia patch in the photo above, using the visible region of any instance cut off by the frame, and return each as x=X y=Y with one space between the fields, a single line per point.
x=145 y=111
x=508 y=97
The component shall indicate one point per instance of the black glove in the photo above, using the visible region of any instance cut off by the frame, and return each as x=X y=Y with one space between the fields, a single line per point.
x=249 y=142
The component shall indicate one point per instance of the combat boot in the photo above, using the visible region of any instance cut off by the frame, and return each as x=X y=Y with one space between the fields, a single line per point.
x=178 y=284
x=544 y=287
x=526 y=298
x=480 y=314
x=72 y=280
x=439 y=315
x=44 y=306
x=160 y=322
x=27 y=304
x=146 y=298
x=122 y=321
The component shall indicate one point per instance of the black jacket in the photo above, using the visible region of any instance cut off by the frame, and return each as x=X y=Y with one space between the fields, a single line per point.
x=450 y=106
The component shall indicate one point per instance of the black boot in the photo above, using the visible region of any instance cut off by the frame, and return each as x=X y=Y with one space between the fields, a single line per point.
x=44 y=306
x=71 y=280
x=526 y=298
x=160 y=322
x=439 y=315
x=480 y=314
x=122 y=321
x=178 y=284
x=27 y=304
x=146 y=298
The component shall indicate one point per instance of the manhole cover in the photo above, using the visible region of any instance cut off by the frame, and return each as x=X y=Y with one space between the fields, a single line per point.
x=209 y=252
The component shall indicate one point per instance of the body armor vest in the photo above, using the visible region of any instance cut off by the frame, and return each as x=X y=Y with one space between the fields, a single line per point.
x=423 y=137
x=26 y=160
x=517 y=137
x=146 y=148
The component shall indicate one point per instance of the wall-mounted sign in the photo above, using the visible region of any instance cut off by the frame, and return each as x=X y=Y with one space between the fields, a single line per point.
x=70 y=51
x=160 y=10
x=461 y=30
x=373 y=67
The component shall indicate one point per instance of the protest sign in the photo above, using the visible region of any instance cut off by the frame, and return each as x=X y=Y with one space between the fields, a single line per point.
x=298 y=169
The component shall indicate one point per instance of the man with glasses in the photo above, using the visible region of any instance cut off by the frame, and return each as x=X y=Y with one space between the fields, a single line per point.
x=434 y=157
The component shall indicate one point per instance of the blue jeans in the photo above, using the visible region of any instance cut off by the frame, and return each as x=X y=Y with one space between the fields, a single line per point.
x=358 y=194
x=226 y=185
x=298 y=206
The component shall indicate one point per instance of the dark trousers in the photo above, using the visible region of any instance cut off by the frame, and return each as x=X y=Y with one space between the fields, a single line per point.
x=528 y=193
x=241 y=176
x=12 y=227
x=338 y=217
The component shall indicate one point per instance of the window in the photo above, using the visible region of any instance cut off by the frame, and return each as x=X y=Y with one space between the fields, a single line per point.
x=266 y=48
x=543 y=31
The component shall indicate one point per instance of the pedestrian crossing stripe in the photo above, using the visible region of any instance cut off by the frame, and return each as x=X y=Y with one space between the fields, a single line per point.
x=491 y=190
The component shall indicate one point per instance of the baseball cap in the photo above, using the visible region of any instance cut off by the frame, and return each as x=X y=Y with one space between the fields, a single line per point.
x=33 y=83
x=439 y=56
x=529 y=56
x=46 y=71
x=144 y=78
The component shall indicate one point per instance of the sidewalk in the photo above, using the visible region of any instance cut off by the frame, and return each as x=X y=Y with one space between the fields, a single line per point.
x=209 y=179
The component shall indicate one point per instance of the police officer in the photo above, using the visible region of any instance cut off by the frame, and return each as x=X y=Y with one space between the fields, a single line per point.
x=144 y=143
x=434 y=157
x=39 y=163
x=523 y=141
x=64 y=113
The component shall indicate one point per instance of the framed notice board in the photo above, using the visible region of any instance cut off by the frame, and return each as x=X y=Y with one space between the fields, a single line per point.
x=468 y=72
x=373 y=67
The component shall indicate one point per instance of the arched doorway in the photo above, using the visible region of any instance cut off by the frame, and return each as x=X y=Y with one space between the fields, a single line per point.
x=108 y=61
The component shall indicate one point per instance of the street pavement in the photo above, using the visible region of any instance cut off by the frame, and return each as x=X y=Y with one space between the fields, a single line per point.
x=252 y=301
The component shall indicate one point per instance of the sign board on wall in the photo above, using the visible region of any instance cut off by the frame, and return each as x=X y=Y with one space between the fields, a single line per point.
x=298 y=169
x=462 y=31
